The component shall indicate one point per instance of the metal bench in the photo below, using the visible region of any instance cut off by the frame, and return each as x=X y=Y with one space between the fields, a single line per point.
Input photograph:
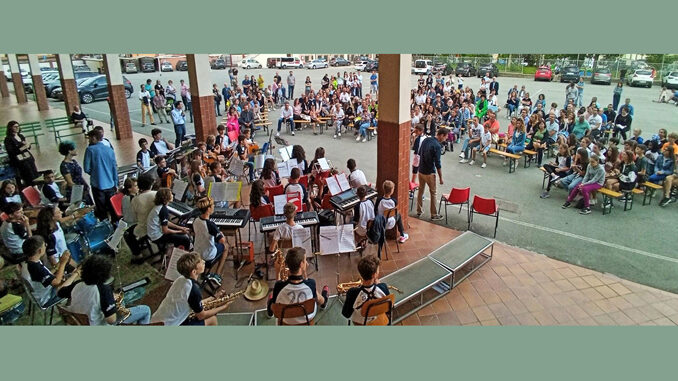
x=62 y=128
x=463 y=255
x=235 y=318
x=28 y=130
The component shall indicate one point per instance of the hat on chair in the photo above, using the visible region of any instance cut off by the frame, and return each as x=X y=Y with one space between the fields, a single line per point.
x=256 y=290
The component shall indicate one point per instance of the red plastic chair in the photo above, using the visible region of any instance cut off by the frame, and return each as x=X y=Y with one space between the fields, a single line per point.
x=116 y=202
x=326 y=202
x=486 y=206
x=274 y=191
x=413 y=187
x=303 y=180
x=32 y=195
x=457 y=196
x=257 y=213
x=320 y=179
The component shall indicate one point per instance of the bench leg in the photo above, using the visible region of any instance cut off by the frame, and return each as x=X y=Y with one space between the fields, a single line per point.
x=512 y=163
x=544 y=179
x=528 y=161
x=645 y=195
x=607 y=203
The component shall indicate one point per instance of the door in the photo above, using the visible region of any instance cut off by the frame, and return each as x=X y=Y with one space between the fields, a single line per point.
x=100 y=89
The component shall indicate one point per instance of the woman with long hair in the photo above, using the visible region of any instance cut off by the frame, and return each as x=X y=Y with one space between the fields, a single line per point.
x=269 y=173
x=72 y=171
x=20 y=156
x=258 y=194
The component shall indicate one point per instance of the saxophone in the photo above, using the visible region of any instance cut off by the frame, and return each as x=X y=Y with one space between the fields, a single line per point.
x=281 y=271
x=122 y=312
x=343 y=288
x=218 y=302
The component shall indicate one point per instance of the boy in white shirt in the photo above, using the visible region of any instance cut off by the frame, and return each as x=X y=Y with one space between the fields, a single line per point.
x=357 y=177
x=484 y=146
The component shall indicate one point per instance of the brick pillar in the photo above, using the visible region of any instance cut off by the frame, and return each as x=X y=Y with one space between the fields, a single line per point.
x=116 y=95
x=16 y=78
x=204 y=113
x=393 y=140
x=68 y=85
x=4 y=89
x=38 y=86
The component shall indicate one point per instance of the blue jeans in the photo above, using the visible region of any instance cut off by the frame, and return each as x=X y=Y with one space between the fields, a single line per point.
x=290 y=91
x=280 y=122
x=511 y=108
x=216 y=106
x=514 y=148
x=180 y=131
x=570 y=181
x=656 y=178
x=139 y=315
x=250 y=164
x=363 y=128
x=580 y=97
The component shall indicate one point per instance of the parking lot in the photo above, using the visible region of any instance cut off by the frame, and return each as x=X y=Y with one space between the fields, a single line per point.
x=635 y=245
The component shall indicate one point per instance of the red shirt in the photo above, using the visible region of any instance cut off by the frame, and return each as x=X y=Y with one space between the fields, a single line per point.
x=493 y=126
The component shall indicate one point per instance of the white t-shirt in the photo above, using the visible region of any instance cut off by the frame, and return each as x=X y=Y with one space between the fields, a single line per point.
x=142 y=205
x=86 y=299
x=357 y=178
x=174 y=309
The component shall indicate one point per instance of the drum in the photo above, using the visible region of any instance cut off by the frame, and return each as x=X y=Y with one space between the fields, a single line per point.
x=97 y=236
x=86 y=223
x=75 y=247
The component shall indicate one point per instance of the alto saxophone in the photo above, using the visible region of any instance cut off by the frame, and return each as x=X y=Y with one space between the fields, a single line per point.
x=122 y=312
x=281 y=271
x=218 y=302
x=343 y=288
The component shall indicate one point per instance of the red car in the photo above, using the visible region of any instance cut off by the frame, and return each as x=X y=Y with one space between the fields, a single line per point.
x=543 y=73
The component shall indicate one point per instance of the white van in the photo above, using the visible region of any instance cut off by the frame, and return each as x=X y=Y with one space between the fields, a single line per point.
x=422 y=67
x=289 y=62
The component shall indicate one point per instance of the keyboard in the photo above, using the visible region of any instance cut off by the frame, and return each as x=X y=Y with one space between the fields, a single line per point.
x=177 y=208
x=304 y=219
x=225 y=213
x=237 y=221
x=348 y=199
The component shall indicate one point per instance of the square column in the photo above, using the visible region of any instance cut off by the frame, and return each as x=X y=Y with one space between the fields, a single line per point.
x=116 y=95
x=16 y=79
x=38 y=86
x=68 y=85
x=4 y=89
x=204 y=112
x=393 y=141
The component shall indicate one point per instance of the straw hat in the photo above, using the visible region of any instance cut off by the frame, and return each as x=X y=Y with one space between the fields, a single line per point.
x=256 y=290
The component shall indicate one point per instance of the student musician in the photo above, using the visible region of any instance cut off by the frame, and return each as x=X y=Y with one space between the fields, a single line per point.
x=210 y=243
x=14 y=231
x=197 y=178
x=297 y=288
x=165 y=173
x=389 y=202
x=9 y=193
x=258 y=195
x=294 y=186
x=44 y=283
x=93 y=296
x=184 y=297
x=159 y=146
x=159 y=228
x=362 y=212
x=284 y=231
x=144 y=155
x=269 y=174
x=49 y=227
x=370 y=288
x=357 y=177
x=51 y=192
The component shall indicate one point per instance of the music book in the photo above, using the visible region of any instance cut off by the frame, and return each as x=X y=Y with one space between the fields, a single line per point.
x=225 y=191
x=171 y=273
x=285 y=168
x=324 y=166
x=279 y=202
x=337 y=184
x=302 y=238
x=236 y=167
x=336 y=239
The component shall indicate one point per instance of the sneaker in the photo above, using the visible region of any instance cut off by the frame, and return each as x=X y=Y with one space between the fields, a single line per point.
x=592 y=201
x=585 y=211
x=461 y=155
x=339 y=134
x=545 y=195
x=364 y=140
x=143 y=125
x=335 y=136
x=277 y=134
x=292 y=133
x=436 y=217
x=665 y=201
x=357 y=139
x=418 y=214
x=403 y=238
x=471 y=162
x=566 y=205
x=483 y=166
x=326 y=294
x=463 y=161
x=152 y=124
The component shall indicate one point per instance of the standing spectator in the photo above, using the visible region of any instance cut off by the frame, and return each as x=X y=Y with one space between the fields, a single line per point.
x=179 y=120
x=170 y=91
x=151 y=91
x=184 y=91
x=429 y=164
x=145 y=98
x=159 y=102
x=20 y=157
x=616 y=97
x=189 y=105
x=374 y=84
x=234 y=77
x=217 y=99
x=580 y=91
x=291 y=81
x=159 y=88
x=101 y=165
x=72 y=171
x=226 y=94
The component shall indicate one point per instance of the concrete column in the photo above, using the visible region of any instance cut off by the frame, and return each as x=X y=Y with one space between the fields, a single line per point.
x=16 y=78
x=116 y=97
x=38 y=86
x=4 y=90
x=393 y=141
x=204 y=113
x=68 y=85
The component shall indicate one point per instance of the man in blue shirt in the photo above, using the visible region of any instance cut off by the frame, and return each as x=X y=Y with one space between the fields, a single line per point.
x=627 y=104
x=101 y=166
x=226 y=93
x=179 y=120
x=429 y=164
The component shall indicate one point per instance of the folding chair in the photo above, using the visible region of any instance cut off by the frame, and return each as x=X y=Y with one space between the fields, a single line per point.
x=72 y=318
x=274 y=191
x=283 y=311
x=33 y=302
x=256 y=213
x=32 y=196
x=377 y=307
x=457 y=196
x=116 y=202
x=486 y=206
x=388 y=213
x=303 y=180
x=413 y=187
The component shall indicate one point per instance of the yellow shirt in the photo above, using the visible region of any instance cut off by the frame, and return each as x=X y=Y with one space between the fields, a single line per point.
x=260 y=83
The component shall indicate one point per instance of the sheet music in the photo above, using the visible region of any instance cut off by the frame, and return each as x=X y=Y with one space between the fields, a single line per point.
x=302 y=166
x=284 y=153
x=76 y=194
x=171 y=273
x=283 y=170
x=225 y=191
x=346 y=239
x=322 y=162
x=179 y=189
x=114 y=241
x=236 y=167
x=279 y=202
x=333 y=185
x=302 y=238
x=329 y=240
x=343 y=182
x=259 y=161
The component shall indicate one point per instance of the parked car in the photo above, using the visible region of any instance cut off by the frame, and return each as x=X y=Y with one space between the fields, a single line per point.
x=488 y=68
x=218 y=64
x=373 y=65
x=182 y=66
x=81 y=68
x=422 y=67
x=58 y=93
x=96 y=88
x=250 y=64
x=147 y=67
x=465 y=69
x=339 y=61
x=543 y=73
x=131 y=67
x=317 y=64
x=55 y=80
x=569 y=74
x=166 y=66
x=601 y=75
x=640 y=77
x=439 y=68
x=670 y=80
x=290 y=62
x=360 y=65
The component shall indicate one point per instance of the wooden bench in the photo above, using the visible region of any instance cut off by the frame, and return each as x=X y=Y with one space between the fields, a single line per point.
x=370 y=131
x=649 y=190
x=528 y=155
x=62 y=127
x=608 y=196
x=28 y=130
x=511 y=156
